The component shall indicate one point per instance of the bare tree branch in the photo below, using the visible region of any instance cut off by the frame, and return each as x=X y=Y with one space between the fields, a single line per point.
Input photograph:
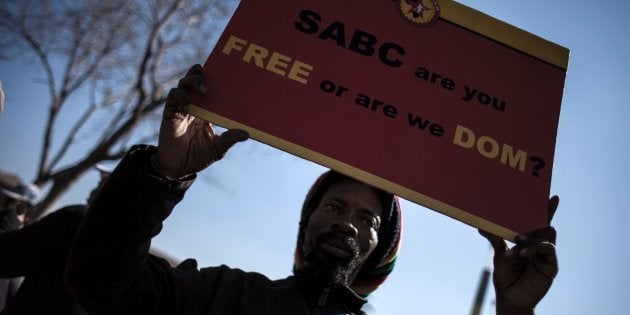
x=129 y=51
x=79 y=123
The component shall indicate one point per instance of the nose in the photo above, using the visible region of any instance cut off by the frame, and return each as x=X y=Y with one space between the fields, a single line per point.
x=345 y=227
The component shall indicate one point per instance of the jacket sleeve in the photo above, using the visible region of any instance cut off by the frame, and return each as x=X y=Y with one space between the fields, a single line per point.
x=108 y=271
x=42 y=247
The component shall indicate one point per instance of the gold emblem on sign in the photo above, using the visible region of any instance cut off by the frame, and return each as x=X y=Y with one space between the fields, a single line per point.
x=420 y=12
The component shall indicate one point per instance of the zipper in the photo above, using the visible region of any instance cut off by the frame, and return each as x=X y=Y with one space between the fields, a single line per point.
x=321 y=302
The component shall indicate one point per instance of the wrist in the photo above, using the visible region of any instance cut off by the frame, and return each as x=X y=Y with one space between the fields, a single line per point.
x=504 y=308
x=143 y=155
x=170 y=174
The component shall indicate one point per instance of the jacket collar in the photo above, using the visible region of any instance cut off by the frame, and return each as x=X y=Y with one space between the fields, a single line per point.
x=332 y=297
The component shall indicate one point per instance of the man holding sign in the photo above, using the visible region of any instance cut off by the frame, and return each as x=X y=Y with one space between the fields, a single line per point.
x=347 y=241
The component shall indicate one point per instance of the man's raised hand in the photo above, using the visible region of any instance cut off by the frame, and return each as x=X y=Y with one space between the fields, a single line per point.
x=188 y=144
x=524 y=273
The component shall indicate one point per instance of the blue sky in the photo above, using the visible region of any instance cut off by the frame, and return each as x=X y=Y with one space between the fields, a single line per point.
x=243 y=211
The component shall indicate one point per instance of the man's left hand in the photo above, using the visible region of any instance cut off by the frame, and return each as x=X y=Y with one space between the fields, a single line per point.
x=524 y=273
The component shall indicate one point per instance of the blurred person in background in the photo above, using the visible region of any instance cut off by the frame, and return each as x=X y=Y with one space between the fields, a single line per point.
x=38 y=253
x=16 y=199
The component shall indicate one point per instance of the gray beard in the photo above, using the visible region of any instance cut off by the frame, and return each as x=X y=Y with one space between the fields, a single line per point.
x=341 y=274
x=328 y=273
x=332 y=271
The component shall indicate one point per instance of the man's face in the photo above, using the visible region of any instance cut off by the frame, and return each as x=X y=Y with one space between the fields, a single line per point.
x=343 y=230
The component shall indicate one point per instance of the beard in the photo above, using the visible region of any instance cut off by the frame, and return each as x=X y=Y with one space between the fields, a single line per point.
x=334 y=270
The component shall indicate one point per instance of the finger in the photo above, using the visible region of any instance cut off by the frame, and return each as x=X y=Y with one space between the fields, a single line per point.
x=546 y=234
x=176 y=100
x=195 y=69
x=542 y=256
x=498 y=244
x=230 y=137
x=540 y=248
x=553 y=206
x=544 y=252
x=193 y=80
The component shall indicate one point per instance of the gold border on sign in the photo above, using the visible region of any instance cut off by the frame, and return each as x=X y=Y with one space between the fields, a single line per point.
x=504 y=33
x=359 y=174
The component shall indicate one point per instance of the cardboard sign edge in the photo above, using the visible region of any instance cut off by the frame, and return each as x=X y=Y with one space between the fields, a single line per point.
x=504 y=33
x=357 y=173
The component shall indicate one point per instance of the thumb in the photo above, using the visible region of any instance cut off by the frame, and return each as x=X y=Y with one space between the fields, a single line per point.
x=553 y=206
x=230 y=137
x=498 y=244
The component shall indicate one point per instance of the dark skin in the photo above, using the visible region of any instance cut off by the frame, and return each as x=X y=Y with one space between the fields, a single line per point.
x=522 y=274
x=349 y=213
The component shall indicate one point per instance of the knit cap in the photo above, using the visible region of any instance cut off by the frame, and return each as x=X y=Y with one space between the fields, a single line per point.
x=382 y=260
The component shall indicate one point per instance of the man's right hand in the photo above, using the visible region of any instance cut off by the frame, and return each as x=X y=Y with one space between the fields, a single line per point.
x=188 y=144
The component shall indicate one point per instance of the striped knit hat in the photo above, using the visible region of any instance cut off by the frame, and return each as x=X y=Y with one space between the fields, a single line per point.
x=382 y=260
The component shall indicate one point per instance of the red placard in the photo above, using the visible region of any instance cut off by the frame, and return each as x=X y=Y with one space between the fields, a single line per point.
x=432 y=101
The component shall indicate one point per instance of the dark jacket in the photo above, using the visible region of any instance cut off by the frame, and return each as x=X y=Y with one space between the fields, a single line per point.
x=38 y=253
x=108 y=271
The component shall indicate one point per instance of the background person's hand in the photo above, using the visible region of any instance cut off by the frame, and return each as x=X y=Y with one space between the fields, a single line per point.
x=188 y=144
x=524 y=273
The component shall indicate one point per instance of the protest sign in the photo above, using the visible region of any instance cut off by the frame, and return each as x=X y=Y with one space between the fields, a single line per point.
x=430 y=100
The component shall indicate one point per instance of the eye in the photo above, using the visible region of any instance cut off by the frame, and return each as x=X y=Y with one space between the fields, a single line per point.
x=332 y=207
x=369 y=221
